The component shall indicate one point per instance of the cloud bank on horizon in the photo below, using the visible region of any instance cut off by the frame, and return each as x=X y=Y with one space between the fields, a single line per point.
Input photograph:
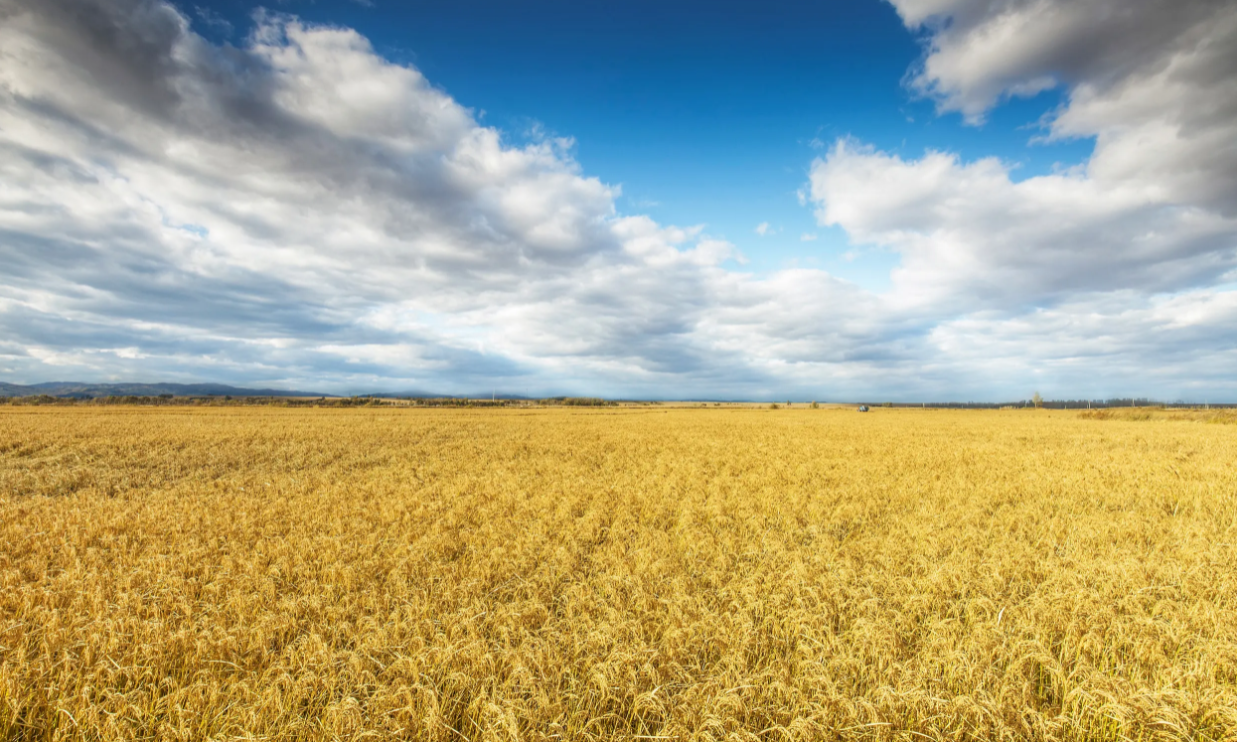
x=300 y=211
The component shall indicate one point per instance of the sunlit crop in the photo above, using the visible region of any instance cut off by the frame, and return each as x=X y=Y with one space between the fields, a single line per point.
x=619 y=573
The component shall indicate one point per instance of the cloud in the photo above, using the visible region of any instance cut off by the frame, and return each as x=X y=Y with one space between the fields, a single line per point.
x=213 y=19
x=971 y=238
x=298 y=209
x=979 y=52
x=295 y=209
x=1176 y=347
x=1145 y=228
x=762 y=229
x=807 y=237
x=1154 y=83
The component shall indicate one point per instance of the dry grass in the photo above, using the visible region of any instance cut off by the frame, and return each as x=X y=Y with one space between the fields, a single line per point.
x=1198 y=415
x=620 y=574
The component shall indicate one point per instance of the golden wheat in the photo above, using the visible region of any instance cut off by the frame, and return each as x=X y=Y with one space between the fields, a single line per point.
x=258 y=573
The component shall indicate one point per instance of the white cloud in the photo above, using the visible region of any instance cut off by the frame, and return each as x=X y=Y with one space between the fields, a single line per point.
x=970 y=238
x=1147 y=228
x=299 y=210
x=807 y=237
x=1114 y=344
x=762 y=229
x=1155 y=82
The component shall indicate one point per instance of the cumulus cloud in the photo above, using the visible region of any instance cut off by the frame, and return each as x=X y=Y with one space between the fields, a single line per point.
x=297 y=209
x=1148 y=224
x=1184 y=346
x=971 y=238
x=1155 y=82
x=762 y=229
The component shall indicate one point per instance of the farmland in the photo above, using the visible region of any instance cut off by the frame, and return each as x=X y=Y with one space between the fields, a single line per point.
x=619 y=573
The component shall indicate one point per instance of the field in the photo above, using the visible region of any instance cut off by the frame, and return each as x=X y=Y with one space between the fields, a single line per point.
x=316 y=574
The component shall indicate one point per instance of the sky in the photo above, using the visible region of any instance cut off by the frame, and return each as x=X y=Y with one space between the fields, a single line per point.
x=944 y=200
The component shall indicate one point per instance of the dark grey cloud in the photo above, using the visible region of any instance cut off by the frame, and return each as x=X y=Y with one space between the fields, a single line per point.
x=1154 y=81
x=981 y=50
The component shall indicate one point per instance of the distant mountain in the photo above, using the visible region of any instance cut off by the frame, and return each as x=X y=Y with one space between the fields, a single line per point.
x=82 y=389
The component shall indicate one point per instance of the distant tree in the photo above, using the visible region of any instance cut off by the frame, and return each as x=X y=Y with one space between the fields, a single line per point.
x=1037 y=400
x=815 y=406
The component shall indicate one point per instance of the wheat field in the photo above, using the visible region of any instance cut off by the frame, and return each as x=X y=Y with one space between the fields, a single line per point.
x=615 y=574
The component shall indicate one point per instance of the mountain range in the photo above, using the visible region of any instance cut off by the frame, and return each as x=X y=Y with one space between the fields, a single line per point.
x=83 y=389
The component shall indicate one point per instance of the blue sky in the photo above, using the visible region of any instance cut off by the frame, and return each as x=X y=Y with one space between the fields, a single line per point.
x=363 y=196
x=704 y=112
